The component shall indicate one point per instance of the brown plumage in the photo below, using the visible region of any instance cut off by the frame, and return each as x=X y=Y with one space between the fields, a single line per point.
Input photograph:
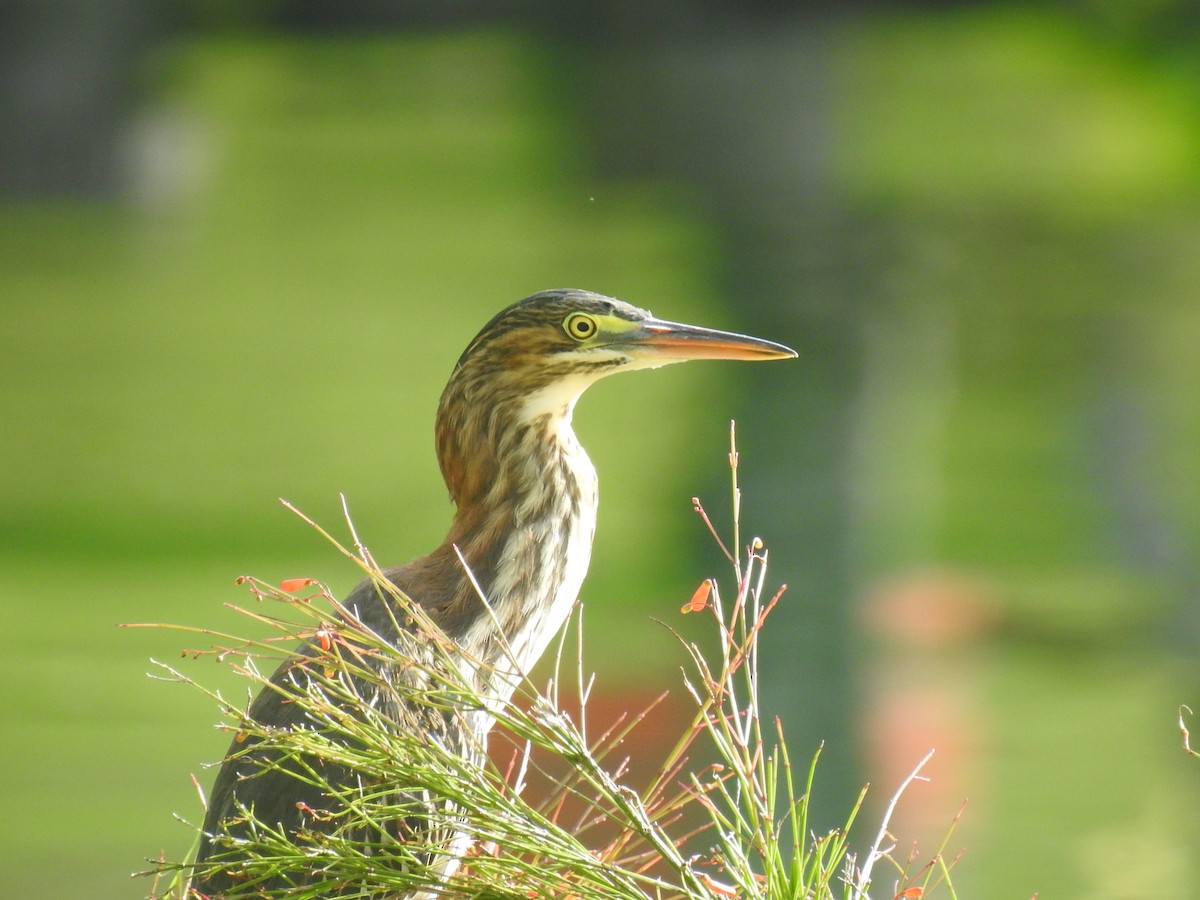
x=525 y=496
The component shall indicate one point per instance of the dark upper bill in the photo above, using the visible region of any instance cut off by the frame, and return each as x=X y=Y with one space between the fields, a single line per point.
x=679 y=341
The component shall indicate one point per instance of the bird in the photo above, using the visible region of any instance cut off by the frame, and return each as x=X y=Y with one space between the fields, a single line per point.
x=525 y=498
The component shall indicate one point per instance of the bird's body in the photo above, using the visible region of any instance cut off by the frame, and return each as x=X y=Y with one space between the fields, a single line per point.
x=525 y=496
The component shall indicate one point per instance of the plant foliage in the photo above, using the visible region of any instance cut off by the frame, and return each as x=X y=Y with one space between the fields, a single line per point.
x=425 y=818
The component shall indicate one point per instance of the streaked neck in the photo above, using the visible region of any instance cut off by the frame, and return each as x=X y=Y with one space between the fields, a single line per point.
x=527 y=495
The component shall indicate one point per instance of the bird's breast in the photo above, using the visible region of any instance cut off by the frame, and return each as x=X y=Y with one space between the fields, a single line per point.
x=546 y=552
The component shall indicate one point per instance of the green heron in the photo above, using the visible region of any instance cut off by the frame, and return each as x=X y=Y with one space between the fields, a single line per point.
x=525 y=494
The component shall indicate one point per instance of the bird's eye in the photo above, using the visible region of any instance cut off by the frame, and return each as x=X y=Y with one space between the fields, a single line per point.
x=580 y=326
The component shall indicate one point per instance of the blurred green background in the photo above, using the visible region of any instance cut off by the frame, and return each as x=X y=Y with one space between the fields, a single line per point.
x=241 y=247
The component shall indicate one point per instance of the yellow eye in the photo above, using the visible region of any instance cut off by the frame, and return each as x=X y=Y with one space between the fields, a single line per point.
x=580 y=326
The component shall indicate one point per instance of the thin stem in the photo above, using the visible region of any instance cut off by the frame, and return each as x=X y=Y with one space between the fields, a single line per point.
x=863 y=882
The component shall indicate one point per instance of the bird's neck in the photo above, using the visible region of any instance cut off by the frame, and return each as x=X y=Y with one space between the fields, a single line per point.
x=526 y=497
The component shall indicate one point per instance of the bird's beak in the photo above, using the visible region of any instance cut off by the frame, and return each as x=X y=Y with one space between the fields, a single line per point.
x=674 y=341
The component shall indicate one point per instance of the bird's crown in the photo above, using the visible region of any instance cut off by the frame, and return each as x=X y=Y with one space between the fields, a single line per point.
x=552 y=322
